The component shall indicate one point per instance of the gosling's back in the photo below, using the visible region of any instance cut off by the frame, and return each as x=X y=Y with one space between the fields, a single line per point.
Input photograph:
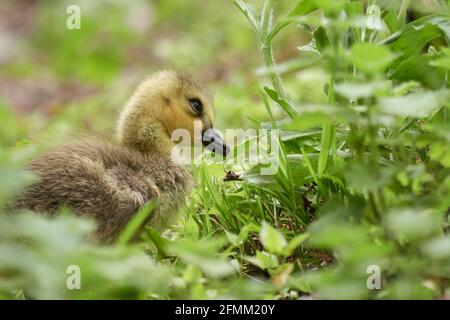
x=108 y=182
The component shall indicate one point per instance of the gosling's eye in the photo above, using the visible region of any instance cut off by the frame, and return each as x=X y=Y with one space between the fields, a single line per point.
x=196 y=105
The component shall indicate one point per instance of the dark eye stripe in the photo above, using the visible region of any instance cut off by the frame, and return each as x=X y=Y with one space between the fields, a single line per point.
x=196 y=105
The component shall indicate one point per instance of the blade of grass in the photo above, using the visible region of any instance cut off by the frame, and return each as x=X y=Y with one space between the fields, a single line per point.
x=328 y=136
x=136 y=223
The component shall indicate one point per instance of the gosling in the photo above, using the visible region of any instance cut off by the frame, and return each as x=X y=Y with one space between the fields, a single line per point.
x=111 y=181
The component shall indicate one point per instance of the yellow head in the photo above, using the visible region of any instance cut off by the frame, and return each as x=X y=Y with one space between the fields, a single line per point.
x=162 y=103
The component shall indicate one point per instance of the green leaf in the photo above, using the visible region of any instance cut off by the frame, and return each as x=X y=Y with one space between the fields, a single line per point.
x=412 y=223
x=413 y=38
x=440 y=151
x=361 y=176
x=263 y=260
x=233 y=238
x=356 y=90
x=442 y=60
x=419 y=69
x=321 y=39
x=191 y=228
x=438 y=248
x=281 y=102
x=294 y=243
x=160 y=243
x=418 y=104
x=272 y=240
x=203 y=254
x=243 y=234
x=371 y=58
x=303 y=7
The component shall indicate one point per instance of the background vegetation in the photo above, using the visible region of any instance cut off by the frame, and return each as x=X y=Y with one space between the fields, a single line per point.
x=360 y=96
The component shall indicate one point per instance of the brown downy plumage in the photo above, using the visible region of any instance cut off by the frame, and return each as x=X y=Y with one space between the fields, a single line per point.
x=112 y=181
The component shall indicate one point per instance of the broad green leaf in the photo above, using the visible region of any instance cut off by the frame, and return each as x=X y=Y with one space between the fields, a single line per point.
x=272 y=239
x=418 y=33
x=438 y=248
x=294 y=243
x=418 y=104
x=361 y=176
x=203 y=254
x=315 y=116
x=440 y=151
x=371 y=58
x=233 y=238
x=263 y=260
x=419 y=69
x=412 y=223
x=443 y=60
x=356 y=90
x=303 y=7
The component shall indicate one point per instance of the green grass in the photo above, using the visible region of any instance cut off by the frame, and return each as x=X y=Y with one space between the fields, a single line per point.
x=363 y=179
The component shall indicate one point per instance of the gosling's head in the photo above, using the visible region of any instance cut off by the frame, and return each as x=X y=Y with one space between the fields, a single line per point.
x=164 y=102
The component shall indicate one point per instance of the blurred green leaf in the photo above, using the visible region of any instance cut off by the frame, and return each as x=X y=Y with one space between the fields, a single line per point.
x=272 y=240
x=204 y=256
x=371 y=58
x=294 y=243
x=357 y=90
x=438 y=248
x=418 y=104
x=160 y=243
x=263 y=260
x=418 y=33
x=411 y=222
x=419 y=69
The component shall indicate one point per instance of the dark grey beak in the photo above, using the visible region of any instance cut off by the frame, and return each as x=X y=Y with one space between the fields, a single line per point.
x=213 y=141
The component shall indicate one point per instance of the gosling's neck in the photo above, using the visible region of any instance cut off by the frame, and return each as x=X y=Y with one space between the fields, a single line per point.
x=143 y=132
x=150 y=139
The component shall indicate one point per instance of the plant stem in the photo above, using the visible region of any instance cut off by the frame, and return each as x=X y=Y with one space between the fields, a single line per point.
x=267 y=51
x=273 y=75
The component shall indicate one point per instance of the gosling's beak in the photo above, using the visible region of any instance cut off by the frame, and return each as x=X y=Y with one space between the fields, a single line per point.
x=213 y=141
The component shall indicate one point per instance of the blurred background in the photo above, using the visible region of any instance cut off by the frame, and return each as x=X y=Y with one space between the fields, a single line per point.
x=55 y=81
